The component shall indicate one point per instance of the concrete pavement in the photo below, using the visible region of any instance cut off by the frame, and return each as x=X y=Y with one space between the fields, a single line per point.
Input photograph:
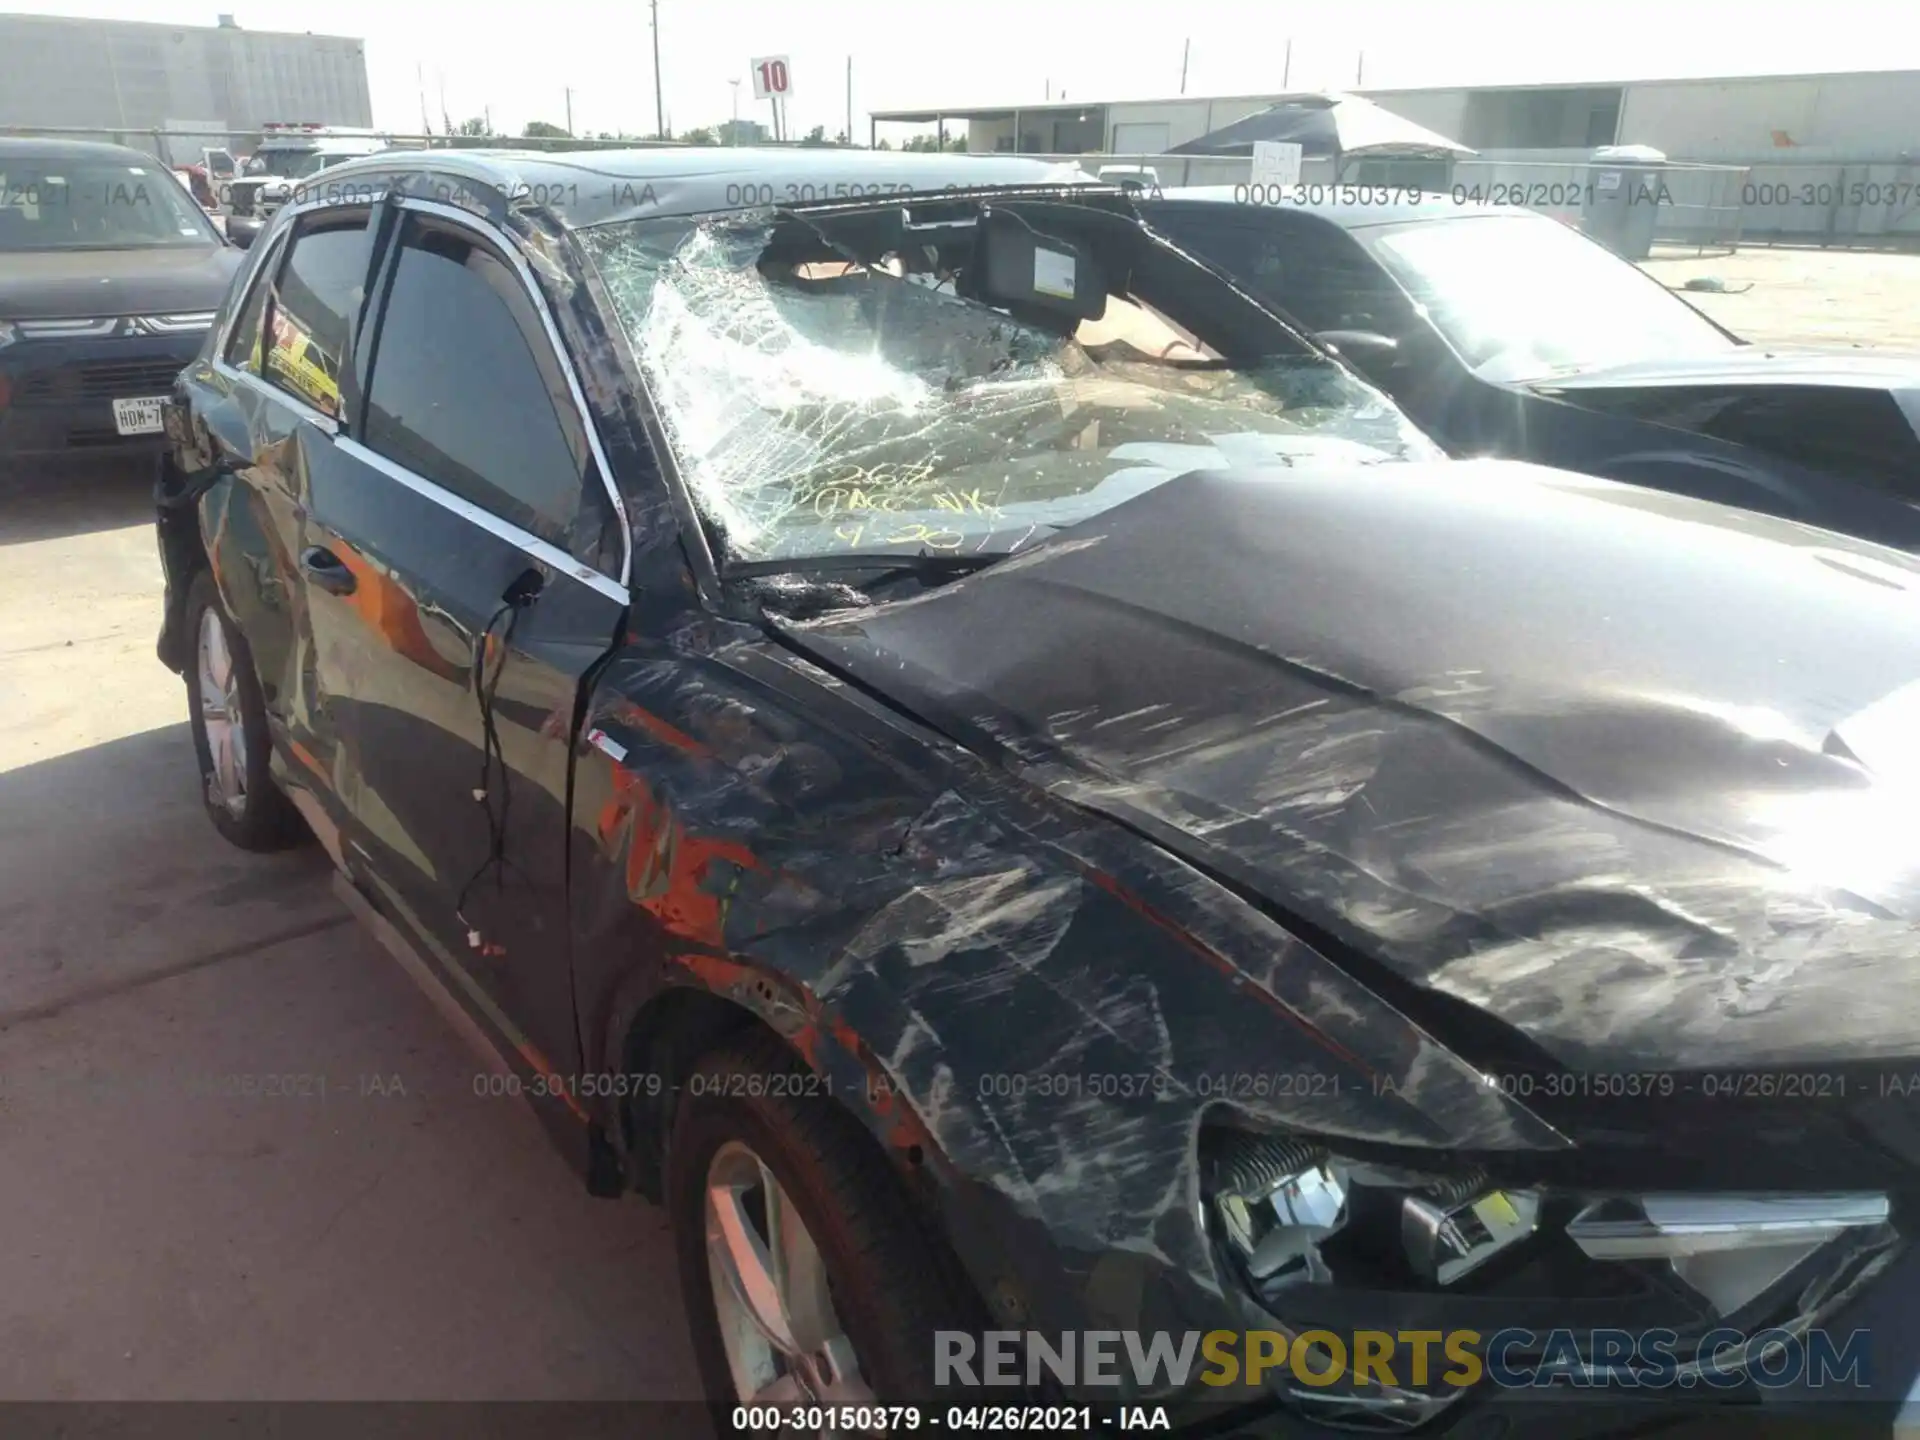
x=241 y=1157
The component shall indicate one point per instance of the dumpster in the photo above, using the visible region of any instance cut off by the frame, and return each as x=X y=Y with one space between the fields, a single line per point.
x=1621 y=207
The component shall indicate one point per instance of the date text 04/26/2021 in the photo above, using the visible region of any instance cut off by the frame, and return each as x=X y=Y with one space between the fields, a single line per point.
x=905 y=1419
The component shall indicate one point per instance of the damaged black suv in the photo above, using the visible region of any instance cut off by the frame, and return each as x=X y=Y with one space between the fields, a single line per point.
x=1010 y=791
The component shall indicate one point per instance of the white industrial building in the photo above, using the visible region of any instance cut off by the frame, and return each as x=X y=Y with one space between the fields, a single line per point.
x=1833 y=158
x=1861 y=116
x=58 y=73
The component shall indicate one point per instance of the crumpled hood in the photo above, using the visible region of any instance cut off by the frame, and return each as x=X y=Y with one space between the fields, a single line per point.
x=72 y=284
x=1635 y=774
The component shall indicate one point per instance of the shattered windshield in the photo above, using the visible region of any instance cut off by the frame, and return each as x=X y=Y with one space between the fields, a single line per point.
x=821 y=403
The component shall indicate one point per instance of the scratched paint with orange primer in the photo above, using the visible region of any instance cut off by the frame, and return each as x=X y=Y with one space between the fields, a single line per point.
x=667 y=869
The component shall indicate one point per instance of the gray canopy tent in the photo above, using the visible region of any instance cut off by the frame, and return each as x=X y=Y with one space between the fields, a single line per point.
x=1327 y=126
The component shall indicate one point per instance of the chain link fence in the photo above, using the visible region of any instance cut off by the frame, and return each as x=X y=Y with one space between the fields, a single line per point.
x=1699 y=205
x=1863 y=205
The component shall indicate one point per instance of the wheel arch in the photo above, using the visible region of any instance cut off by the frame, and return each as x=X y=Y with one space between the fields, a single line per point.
x=178 y=498
x=705 y=1003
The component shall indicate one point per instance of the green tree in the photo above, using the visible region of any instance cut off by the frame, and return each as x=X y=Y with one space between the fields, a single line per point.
x=475 y=126
x=702 y=136
x=544 y=130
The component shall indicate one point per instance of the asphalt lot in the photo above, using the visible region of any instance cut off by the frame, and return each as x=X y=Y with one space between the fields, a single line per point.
x=1851 y=299
x=384 y=1233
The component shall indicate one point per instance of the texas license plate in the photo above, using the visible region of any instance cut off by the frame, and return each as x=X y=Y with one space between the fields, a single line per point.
x=138 y=417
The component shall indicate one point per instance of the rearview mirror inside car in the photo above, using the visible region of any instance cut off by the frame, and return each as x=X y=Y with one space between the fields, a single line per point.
x=1016 y=266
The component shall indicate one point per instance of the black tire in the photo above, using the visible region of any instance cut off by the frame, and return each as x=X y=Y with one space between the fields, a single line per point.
x=891 y=1286
x=264 y=819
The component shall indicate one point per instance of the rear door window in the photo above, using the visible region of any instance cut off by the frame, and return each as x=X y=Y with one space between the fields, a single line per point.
x=312 y=307
x=243 y=341
x=467 y=391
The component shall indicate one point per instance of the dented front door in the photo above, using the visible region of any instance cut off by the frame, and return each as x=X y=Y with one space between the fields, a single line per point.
x=464 y=530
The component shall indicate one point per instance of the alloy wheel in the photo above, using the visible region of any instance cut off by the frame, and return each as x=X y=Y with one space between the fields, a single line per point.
x=784 y=1341
x=217 y=692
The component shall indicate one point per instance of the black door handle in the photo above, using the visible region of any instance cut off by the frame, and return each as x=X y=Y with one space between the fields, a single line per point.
x=327 y=570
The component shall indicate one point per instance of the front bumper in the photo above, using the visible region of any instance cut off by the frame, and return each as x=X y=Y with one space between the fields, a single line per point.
x=1879 y=1323
x=56 y=395
x=245 y=229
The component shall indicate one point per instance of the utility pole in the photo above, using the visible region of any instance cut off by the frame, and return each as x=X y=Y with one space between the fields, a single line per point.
x=1360 y=70
x=486 y=112
x=849 y=100
x=569 y=110
x=1186 y=51
x=659 y=98
x=1286 y=70
x=733 y=132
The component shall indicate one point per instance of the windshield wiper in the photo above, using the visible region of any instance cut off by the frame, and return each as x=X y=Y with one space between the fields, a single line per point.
x=882 y=563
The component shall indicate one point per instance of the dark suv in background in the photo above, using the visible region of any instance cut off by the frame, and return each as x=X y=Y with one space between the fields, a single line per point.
x=110 y=274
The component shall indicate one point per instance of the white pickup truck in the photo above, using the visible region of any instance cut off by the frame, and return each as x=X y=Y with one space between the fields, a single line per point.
x=287 y=154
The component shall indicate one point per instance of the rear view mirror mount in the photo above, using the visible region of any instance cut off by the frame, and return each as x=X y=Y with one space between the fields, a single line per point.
x=1362 y=347
x=1019 y=267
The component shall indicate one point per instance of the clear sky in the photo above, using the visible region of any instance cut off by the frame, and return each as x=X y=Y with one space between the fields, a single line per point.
x=519 y=60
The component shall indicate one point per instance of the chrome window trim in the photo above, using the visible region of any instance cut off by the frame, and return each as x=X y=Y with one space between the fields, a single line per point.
x=547 y=554
x=504 y=243
x=529 y=544
x=281 y=225
x=319 y=419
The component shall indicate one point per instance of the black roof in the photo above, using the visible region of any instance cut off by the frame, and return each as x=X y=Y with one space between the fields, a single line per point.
x=595 y=187
x=54 y=148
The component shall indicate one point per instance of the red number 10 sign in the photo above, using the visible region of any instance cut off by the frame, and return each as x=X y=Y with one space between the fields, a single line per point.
x=772 y=78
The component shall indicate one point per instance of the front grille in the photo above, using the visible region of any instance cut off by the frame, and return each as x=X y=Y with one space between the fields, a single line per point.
x=95 y=437
x=100 y=380
x=105 y=381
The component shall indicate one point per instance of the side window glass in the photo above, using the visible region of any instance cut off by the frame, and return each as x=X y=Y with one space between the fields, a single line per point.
x=315 y=299
x=467 y=391
x=243 y=341
x=1310 y=270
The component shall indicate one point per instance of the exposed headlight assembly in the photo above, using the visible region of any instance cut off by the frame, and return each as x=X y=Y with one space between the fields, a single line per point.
x=1330 y=1241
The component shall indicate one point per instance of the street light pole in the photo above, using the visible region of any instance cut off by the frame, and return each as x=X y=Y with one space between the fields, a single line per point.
x=733 y=131
x=659 y=99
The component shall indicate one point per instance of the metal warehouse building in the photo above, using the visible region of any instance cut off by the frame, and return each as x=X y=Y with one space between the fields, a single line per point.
x=1833 y=159
x=131 y=76
x=1867 y=115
